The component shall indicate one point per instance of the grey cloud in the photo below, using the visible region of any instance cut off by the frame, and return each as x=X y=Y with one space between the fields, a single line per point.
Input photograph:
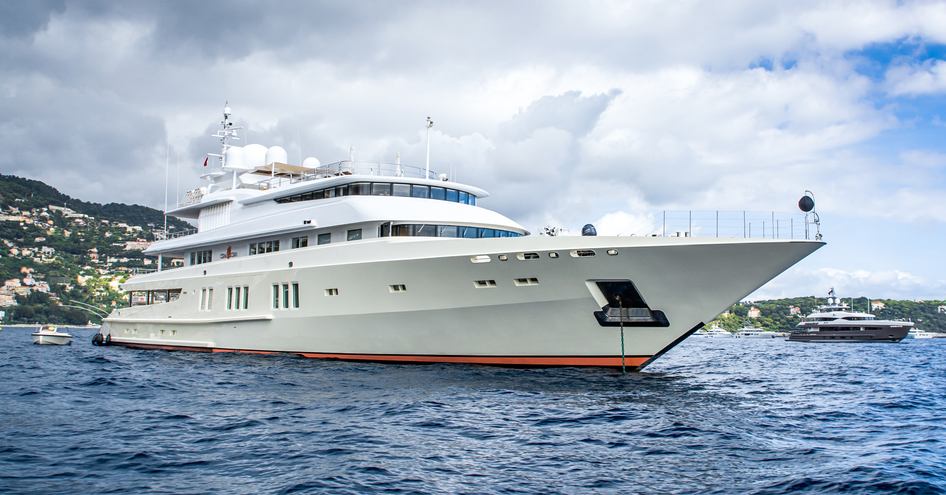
x=22 y=18
x=570 y=112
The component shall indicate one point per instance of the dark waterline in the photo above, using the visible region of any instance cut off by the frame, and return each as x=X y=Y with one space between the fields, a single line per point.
x=711 y=416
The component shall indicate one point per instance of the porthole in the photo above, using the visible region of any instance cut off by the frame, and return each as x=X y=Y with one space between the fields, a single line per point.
x=481 y=258
x=397 y=288
x=484 y=284
x=521 y=282
x=503 y=257
x=331 y=292
x=527 y=256
x=612 y=252
x=553 y=255
x=582 y=253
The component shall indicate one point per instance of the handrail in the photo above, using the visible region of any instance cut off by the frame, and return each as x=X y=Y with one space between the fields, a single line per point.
x=347 y=167
x=728 y=223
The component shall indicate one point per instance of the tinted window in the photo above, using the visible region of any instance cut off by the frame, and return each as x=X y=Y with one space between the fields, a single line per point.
x=359 y=189
x=402 y=230
x=437 y=193
x=464 y=197
x=384 y=230
x=468 y=232
x=420 y=191
x=330 y=192
x=354 y=234
x=325 y=238
x=426 y=231
x=380 y=189
x=448 y=231
x=453 y=195
x=402 y=189
x=341 y=191
x=487 y=233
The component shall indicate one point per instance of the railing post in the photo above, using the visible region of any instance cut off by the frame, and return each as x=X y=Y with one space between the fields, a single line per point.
x=743 y=224
x=665 y=224
x=717 y=223
x=690 y=223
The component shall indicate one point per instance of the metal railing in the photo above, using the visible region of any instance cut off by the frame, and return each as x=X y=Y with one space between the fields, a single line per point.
x=161 y=235
x=733 y=224
x=347 y=167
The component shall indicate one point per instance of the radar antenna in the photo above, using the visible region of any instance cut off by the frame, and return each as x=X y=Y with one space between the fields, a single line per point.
x=226 y=133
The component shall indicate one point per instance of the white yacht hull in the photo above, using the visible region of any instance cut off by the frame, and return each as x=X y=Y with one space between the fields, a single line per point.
x=51 y=339
x=442 y=316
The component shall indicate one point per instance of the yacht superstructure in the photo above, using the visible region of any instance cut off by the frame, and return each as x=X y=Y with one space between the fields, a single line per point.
x=378 y=262
x=835 y=322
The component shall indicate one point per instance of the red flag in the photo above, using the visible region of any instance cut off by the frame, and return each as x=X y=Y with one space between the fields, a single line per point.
x=205 y=160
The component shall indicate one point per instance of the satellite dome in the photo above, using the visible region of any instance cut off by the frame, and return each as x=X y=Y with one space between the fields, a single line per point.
x=589 y=230
x=236 y=158
x=254 y=155
x=276 y=154
x=311 y=162
x=806 y=203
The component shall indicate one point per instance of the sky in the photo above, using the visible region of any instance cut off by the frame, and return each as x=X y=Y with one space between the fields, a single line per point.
x=566 y=112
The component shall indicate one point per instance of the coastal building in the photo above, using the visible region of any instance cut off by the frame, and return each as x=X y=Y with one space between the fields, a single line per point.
x=754 y=312
x=877 y=305
x=794 y=310
x=136 y=245
x=941 y=309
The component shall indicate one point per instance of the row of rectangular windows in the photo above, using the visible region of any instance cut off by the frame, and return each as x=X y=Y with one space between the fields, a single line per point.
x=263 y=247
x=384 y=189
x=425 y=230
x=242 y=299
x=286 y=295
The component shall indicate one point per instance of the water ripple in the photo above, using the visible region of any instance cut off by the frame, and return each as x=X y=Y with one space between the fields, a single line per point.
x=765 y=417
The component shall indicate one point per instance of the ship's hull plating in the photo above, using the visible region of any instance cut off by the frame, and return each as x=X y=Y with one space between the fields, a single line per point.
x=456 y=307
x=891 y=334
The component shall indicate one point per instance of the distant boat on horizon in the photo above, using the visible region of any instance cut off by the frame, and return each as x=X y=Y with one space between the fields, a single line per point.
x=834 y=322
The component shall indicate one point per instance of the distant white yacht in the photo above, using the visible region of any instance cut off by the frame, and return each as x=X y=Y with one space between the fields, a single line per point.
x=385 y=262
x=750 y=332
x=916 y=333
x=714 y=331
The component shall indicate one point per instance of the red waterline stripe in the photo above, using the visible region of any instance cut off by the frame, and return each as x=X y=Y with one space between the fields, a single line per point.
x=604 y=361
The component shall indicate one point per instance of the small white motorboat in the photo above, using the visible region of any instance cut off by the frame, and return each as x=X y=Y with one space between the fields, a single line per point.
x=49 y=335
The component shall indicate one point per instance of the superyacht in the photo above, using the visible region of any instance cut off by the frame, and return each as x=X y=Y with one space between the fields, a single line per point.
x=835 y=322
x=390 y=263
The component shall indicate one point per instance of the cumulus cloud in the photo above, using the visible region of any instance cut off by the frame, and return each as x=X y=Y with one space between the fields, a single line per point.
x=569 y=114
x=920 y=79
x=889 y=284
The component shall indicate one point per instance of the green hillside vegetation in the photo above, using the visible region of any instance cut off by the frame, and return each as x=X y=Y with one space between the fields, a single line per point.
x=77 y=256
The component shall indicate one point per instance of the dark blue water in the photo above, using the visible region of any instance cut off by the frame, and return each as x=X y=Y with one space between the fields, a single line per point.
x=711 y=416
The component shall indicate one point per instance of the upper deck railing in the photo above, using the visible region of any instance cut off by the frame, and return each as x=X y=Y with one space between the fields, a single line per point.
x=161 y=235
x=346 y=167
x=728 y=223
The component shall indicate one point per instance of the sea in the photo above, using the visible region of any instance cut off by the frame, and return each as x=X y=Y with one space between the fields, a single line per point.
x=710 y=416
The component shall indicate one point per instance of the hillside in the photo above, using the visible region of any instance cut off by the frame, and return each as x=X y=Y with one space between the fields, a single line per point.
x=57 y=250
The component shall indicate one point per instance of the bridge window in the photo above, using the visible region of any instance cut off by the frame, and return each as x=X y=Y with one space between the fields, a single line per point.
x=325 y=238
x=401 y=190
x=383 y=189
x=264 y=247
x=300 y=242
x=454 y=231
x=200 y=257
x=354 y=234
x=380 y=189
